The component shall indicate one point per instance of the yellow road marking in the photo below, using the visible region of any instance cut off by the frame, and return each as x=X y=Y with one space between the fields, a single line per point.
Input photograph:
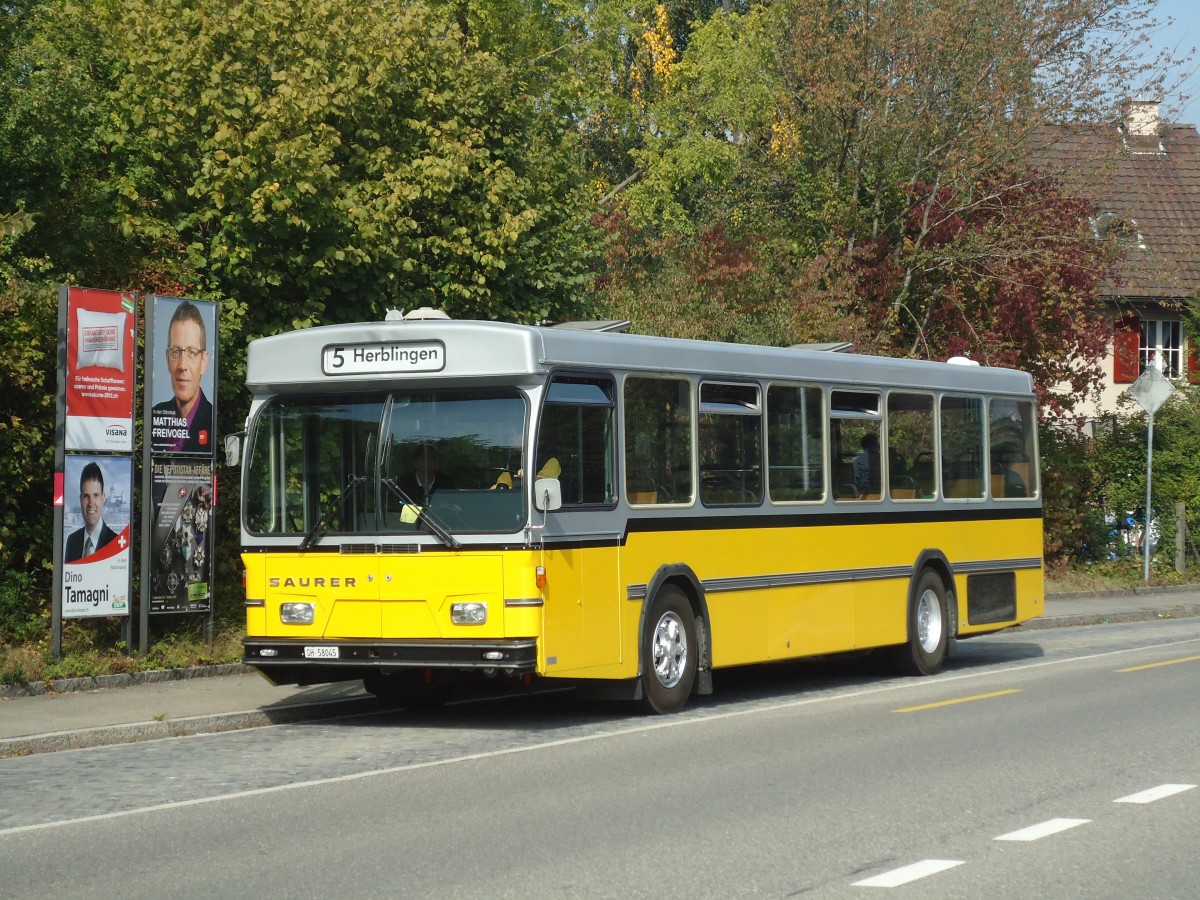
x=1169 y=662
x=909 y=709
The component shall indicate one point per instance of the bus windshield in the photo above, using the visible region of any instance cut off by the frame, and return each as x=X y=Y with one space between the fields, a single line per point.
x=440 y=461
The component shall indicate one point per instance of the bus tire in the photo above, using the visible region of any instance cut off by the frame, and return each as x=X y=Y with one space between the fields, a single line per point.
x=670 y=651
x=928 y=629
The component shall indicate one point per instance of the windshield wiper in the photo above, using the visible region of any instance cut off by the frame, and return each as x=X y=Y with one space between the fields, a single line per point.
x=318 y=530
x=423 y=515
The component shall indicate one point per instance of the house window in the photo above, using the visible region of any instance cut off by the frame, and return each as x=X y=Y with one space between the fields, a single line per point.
x=1161 y=345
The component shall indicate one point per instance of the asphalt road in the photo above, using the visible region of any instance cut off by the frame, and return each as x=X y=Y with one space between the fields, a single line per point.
x=1012 y=774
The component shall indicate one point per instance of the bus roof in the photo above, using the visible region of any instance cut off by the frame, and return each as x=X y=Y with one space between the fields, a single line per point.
x=383 y=354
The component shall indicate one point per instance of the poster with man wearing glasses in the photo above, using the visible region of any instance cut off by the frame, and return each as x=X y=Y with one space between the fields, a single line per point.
x=184 y=371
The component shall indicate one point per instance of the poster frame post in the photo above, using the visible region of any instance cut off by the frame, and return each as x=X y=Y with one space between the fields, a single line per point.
x=154 y=452
x=103 y=428
x=60 y=459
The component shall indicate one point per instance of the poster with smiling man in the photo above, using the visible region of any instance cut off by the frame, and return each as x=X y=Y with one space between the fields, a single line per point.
x=96 y=567
x=182 y=361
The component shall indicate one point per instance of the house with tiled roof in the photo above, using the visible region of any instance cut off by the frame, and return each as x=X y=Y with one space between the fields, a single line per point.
x=1143 y=176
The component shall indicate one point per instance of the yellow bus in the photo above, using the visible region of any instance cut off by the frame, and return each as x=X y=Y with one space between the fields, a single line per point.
x=428 y=503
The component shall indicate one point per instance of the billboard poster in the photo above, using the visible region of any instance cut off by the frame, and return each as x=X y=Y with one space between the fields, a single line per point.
x=101 y=336
x=181 y=365
x=96 y=569
x=181 y=536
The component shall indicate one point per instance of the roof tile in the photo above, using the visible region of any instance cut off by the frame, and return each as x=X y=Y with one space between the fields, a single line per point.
x=1151 y=182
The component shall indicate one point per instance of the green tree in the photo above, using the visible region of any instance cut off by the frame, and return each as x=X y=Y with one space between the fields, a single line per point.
x=52 y=99
x=28 y=328
x=879 y=146
x=327 y=161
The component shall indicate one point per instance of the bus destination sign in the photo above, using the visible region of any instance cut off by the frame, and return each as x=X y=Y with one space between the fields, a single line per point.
x=389 y=358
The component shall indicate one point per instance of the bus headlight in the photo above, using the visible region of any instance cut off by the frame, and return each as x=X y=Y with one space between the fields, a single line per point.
x=297 y=613
x=472 y=613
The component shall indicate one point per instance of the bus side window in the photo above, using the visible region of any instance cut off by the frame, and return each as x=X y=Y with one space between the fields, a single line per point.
x=730 y=444
x=658 y=440
x=1012 y=449
x=962 y=447
x=910 y=446
x=859 y=467
x=795 y=443
x=575 y=439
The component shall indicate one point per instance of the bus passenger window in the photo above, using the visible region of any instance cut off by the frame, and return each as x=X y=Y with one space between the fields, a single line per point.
x=858 y=463
x=658 y=440
x=910 y=446
x=730 y=444
x=1012 y=449
x=795 y=443
x=962 y=447
x=855 y=430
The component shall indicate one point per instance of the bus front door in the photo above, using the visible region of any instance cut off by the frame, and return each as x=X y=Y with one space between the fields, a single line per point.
x=583 y=608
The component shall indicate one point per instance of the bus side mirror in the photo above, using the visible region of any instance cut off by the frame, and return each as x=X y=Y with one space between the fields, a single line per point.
x=233 y=449
x=547 y=494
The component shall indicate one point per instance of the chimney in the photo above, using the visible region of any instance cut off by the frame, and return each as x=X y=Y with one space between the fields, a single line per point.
x=1141 y=118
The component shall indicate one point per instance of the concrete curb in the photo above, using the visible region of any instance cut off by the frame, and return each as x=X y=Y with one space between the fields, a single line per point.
x=125 y=679
x=1139 y=591
x=1183 y=611
x=131 y=732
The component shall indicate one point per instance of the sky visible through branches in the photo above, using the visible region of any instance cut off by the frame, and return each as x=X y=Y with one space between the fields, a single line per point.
x=1179 y=38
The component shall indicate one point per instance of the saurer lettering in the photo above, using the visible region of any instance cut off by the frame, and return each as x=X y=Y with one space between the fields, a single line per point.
x=312 y=582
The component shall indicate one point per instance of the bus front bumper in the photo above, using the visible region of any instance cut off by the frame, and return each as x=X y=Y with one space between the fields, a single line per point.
x=362 y=656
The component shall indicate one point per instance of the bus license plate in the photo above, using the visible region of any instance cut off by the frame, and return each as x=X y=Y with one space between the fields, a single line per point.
x=320 y=652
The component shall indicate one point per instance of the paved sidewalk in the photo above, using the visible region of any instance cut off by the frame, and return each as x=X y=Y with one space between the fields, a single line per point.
x=90 y=712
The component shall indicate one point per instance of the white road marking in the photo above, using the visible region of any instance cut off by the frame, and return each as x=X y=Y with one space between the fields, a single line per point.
x=1156 y=793
x=905 y=874
x=1044 y=829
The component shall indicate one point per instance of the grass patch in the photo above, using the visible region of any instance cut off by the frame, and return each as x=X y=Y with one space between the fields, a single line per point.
x=1123 y=573
x=89 y=651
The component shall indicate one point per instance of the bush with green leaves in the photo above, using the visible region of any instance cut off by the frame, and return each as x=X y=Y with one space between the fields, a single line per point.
x=28 y=329
x=1100 y=484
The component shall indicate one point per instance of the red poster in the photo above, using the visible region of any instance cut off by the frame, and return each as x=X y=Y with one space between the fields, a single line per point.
x=101 y=335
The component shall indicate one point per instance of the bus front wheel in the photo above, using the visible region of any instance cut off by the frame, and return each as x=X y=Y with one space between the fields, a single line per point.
x=928 y=629
x=670 y=651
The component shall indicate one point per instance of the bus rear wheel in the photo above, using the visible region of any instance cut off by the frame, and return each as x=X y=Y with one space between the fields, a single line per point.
x=670 y=651
x=928 y=629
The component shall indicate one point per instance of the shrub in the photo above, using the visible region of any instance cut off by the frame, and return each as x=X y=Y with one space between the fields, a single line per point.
x=24 y=610
x=28 y=374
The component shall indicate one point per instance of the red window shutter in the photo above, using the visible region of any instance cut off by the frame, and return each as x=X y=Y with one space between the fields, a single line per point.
x=1126 y=336
x=1193 y=359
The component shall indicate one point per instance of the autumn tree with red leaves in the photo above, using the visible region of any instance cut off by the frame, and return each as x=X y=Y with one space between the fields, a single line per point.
x=869 y=158
x=1011 y=281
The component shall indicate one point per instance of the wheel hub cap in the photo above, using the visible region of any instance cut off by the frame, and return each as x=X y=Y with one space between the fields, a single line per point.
x=670 y=650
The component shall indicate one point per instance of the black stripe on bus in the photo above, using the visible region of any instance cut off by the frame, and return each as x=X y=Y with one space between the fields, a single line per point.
x=821 y=519
x=838 y=576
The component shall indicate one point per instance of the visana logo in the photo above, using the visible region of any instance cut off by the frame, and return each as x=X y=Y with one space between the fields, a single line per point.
x=116 y=431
